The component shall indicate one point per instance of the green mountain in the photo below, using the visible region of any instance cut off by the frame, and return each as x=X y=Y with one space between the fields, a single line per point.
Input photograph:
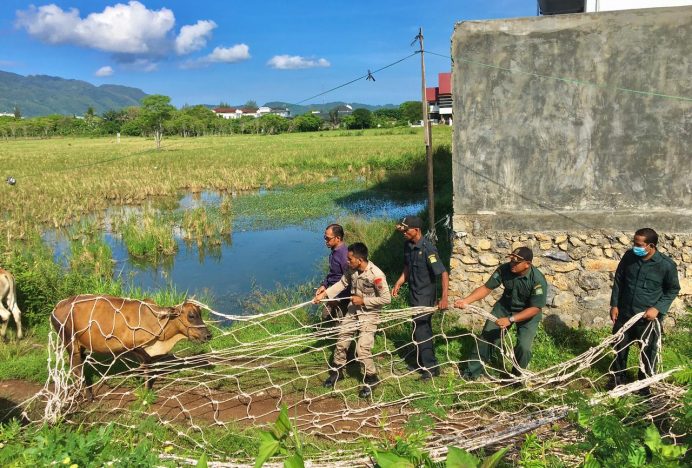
x=43 y=95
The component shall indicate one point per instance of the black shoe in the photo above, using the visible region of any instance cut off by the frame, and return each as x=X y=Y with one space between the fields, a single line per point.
x=414 y=367
x=644 y=392
x=369 y=382
x=429 y=374
x=332 y=379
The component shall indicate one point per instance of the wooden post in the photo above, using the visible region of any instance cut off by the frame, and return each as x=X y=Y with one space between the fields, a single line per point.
x=427 y=131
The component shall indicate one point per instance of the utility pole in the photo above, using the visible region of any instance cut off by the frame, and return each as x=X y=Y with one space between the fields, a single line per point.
x=427 y=131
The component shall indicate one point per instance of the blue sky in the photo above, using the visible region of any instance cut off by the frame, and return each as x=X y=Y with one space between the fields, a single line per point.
x=227 y=50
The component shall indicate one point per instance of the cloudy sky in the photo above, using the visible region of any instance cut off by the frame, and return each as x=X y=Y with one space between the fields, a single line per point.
x=207 y=51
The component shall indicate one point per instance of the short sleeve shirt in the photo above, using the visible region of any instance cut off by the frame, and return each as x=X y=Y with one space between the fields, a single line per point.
x=520 y=291
x=424 y=266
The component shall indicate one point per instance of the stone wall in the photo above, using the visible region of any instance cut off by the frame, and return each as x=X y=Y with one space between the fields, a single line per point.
x=556 y=148
x=578 y=265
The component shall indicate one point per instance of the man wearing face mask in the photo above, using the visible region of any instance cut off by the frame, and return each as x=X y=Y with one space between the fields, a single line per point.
x=645 y=281
x=523 y=298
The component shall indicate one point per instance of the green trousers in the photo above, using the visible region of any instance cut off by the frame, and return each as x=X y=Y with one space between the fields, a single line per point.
x=490 y=341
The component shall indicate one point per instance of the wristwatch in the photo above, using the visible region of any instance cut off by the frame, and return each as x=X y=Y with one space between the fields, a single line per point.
x=511 y=319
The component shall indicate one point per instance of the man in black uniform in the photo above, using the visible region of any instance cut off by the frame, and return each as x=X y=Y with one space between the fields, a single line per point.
x=422 y=266
x=645 y=281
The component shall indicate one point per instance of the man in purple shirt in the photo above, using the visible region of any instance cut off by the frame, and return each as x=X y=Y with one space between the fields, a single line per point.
x=338 y=267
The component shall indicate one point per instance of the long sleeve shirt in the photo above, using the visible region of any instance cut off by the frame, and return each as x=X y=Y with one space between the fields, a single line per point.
x=640 y=284
x=371 y=285
x=338 y=267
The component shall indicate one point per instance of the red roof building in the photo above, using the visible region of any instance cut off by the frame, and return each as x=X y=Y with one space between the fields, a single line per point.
x=440 y=100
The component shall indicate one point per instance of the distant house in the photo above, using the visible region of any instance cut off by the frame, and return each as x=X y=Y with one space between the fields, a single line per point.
x=228 y=112
x=6 y=114
x=280 y=111
x=439 y=100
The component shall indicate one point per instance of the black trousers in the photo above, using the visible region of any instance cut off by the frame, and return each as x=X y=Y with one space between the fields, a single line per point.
x=648 y=334
x=423 y=340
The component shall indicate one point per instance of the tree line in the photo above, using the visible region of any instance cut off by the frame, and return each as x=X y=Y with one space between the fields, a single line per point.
x=156 y=117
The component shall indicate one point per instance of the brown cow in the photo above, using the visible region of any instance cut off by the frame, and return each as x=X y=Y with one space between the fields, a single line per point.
x=117 y=326
x=8 y=293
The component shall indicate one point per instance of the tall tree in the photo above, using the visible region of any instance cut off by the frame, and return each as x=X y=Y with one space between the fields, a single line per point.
x=156 y=110
x=17 y=112
x=411 y=111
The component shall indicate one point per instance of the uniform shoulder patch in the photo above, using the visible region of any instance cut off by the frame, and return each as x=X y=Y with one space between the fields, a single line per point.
x=538 y=290
x=379 y=283
x=432 y=258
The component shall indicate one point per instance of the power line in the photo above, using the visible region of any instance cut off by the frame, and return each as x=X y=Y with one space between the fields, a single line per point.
x=565 y=79
x=368 y=75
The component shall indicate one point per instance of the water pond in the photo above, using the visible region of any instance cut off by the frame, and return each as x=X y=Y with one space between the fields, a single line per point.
x=268 y=249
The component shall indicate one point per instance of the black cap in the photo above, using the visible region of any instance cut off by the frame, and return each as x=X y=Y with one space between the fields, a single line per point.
x=409 y=222
x=524 y=253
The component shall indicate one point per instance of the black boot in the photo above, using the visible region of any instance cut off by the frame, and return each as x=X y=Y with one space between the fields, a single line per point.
x=334 y=375
x=369 y=383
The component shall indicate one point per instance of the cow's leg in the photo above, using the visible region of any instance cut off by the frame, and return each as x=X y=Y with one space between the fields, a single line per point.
x=16 y=313
x=4 y=318
x=145 y=360
x=76 y=353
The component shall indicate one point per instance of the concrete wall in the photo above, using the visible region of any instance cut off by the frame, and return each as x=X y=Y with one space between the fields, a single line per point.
x=575 y=164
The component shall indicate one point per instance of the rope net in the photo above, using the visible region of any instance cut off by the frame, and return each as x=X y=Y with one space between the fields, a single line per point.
x=205 y=394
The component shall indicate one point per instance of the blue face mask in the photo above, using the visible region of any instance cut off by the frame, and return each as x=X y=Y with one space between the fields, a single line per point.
x=639 y=251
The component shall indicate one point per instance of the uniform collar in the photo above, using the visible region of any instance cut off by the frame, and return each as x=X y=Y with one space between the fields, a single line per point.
x=418 y=244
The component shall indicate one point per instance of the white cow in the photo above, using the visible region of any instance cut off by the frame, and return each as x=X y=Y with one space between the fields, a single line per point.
x=8 y=295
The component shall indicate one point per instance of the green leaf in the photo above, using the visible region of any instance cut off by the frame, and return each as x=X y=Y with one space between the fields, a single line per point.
x=392 y=460
x=202 y=462
x=591 y=462
x=652 y=438
x=637 y=457
x=268 y=447
x=672 y=452
x=493 y=460
x=460 y=458
x=294 y=461
x=282 y=426
x=583 y=418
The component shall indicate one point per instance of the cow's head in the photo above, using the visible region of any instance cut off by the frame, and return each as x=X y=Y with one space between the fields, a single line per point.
x=189 y=316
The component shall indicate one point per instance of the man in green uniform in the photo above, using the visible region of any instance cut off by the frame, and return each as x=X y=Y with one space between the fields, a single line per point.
x=523 y=298
x=369 y=293
x=645 y=281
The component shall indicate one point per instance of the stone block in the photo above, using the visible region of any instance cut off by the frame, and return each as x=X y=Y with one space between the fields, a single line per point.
x=565 y=267
x=610 y=253
x=596 y=252
x=575 y=241
x=562 y=299
x=557 y=255
x=591 y=281
x=466 y=260
x=686 y=287
x=484 y=244
x=542 y=237
x=545 y=245
x=488 y=260
x=558 y=281
x=560 y=238
x=600 y=264
x=563 y=246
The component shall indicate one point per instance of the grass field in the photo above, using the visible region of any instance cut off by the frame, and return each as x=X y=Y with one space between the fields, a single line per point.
x=60 y=179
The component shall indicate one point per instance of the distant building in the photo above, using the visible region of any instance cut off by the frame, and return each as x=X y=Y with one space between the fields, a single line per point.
x=236 y=113
x=280 y=111
x=439 y=100
x=6 y=114
x=559 y=7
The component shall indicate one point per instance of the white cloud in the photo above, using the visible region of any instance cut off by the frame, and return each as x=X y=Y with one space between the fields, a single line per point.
x=104 y=71
x=123 y=28
x=194 y=37
x=236 y=53
x=141 y=64
x=292 y=62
